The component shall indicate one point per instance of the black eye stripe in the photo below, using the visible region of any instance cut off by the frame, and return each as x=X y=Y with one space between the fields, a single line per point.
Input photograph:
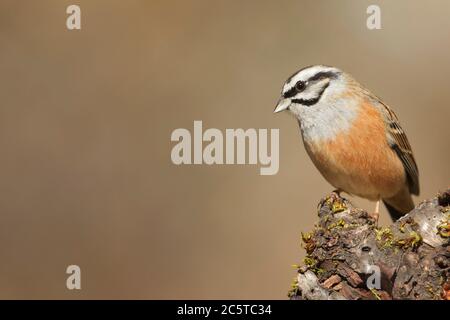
x=306 y=102
x=298 y=87
x=290 y=93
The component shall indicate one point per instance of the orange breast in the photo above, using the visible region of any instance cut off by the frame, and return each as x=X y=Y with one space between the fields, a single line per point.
x=360 y=161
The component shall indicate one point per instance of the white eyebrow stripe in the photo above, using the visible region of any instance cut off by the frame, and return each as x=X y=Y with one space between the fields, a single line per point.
x=307 y=73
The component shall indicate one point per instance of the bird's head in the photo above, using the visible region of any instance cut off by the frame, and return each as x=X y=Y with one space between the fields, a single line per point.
x=309 y=87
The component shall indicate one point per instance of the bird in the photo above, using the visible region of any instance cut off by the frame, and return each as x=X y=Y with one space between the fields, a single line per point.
x=353 y=138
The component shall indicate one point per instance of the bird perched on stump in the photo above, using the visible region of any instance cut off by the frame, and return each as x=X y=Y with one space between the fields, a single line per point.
x=353 y=138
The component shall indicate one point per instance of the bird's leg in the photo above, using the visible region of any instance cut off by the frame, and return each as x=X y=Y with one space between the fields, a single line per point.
x=377 y=207
x=338 y=192
x=376 y=214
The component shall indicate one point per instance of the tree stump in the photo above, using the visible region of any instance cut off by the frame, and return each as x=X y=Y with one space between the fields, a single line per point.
x=349 y=257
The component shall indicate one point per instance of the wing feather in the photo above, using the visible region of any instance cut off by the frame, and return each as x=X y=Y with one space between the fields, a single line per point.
x=400 y=144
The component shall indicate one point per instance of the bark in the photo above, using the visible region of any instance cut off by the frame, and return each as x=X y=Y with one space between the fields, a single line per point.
x=349 y=257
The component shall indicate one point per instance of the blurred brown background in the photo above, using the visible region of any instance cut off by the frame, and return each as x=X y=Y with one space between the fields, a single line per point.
x=86 y=118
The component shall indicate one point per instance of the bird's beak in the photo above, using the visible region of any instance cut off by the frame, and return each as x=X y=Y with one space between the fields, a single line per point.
x=282 y=105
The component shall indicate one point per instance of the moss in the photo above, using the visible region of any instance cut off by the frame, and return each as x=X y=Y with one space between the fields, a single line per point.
x=335 y=204
x=313 y=265
x=306 y=236
x=310 y=262
x=401 y=227
x=293 y=291
x=414 y=240
x=443 y=229
x=385 y=237
x=431 y=291
x=318 y=271
x=341 y=223
x=338 y=224
x=375 y=293
x=309 y=243
x=338 y=206
x=408 y=222
x=353 y=225
x=387 y=240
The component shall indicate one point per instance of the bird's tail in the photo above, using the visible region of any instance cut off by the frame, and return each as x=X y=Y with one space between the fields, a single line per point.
x=394 y=213
x=400 y=204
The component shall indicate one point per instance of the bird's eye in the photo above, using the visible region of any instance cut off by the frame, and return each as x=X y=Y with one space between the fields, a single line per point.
x=300 y=86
